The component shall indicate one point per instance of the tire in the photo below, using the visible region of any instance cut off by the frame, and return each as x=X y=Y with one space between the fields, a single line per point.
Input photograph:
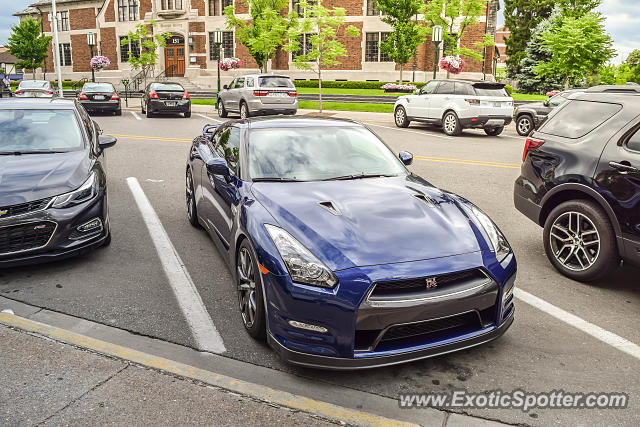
x=494 y=131
x=250 y=294
x=192 y=212
x=244 y=111
x=118 y=112
x=451 y=124
x=222 y=112
x=142 y=108
x=149 y=113
x=578 y=254
x=187 y=114
x=400 y=117
x=524 y=125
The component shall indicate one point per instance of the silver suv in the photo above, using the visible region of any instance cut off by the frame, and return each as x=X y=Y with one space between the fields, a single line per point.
x=258 y=94
x=457 y=105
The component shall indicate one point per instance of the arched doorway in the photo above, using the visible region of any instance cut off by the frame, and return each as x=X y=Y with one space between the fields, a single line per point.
x=174 y=56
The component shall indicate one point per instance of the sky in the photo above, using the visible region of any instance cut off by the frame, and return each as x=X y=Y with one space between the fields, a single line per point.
x=622 y=23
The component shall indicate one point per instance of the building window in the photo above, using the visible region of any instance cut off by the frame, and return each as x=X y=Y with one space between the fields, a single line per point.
x=133 y=47
x=372 y=51
x=171 y=4
x=226 y=3
x=128 y=10
x=372 y=8
x=65 y=54
x=298 y=7
x=133 y=10
x=304 y=45
x=213 y=10
x=63 y=21
x=228 y=43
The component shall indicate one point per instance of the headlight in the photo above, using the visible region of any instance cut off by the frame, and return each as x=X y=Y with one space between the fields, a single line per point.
x=498 y=241
x=303 y=266
x=87 y=191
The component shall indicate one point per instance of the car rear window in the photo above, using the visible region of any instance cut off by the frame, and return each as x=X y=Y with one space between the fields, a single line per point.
x=34 y=131
x=98 y=87
x=578 y=118
x=275 y=81
x=168 y=87
x=33 y=84
x=491 y=91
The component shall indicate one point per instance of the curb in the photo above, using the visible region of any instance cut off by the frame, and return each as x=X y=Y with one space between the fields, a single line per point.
x=256 y=391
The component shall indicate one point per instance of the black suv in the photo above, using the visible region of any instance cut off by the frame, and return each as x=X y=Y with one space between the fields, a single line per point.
x=580 y=180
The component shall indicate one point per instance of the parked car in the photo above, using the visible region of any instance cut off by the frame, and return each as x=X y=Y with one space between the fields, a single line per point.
x=258 y=94
x=456 y=105
x=165 y=97
x=529 y=116
x=53 y=198
x=580 y=181
x=100 y=97
x=324 y=231
x=34 y=89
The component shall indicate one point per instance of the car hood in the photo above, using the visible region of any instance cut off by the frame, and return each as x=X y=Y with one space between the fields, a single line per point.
x=28 y=177
x=377 y=220
x=534 y=105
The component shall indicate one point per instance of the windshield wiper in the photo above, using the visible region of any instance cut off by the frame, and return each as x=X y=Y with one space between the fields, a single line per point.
x=275 y=179
x=359 y=176
x=19 y=153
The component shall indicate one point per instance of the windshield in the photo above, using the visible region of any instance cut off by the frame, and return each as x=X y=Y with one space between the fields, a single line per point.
x=167 y=87
x=275 y=81
x=319 y=153
x=98 y=87
x=33 y=84
x=33 y=131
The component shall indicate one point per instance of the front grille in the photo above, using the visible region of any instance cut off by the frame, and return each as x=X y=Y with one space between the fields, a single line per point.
x=466 y=320
x=419 y=285
x=23 y=237
x=24 y=208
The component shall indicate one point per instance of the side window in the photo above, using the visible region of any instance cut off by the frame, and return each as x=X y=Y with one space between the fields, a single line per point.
x=445 y=88
x=463 y=89
x=233 y=83
x=429 y=88
x=228 y=146
x=250 y=82
x=634 y=142
x=557 y=100
x=239 y=83
x=87 y=123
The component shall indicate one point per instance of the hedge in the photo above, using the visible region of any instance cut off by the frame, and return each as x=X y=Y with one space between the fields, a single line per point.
x=346 y=84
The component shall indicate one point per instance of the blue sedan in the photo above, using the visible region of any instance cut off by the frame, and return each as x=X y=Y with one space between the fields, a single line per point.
x=341 y=257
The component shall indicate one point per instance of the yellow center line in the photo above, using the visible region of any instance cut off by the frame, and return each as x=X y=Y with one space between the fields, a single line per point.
x=465 y=162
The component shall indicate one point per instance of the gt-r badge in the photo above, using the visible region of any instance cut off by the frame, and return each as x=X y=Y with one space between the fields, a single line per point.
x=431 y=282
x=3 y=212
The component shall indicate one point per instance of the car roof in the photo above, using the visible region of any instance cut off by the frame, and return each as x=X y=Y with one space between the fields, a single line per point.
x=296 y=122
x=626 y=99
x=32 y=80
x=37 y=103
x=266 y=75
x=165 y=83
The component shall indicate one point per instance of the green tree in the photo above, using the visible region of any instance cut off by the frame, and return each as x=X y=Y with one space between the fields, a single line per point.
x=458 y=16
x=402 y=43
x=266 y=30
x=578 y=46
x=149 y=43
x=633 y=64
x=521 y=17
x=577 y=8
x=535 y=53
x=28 y=44
x=320 y=26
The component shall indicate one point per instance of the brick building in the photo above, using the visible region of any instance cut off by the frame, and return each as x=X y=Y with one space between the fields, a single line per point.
x=189 y=53
x=502 y=33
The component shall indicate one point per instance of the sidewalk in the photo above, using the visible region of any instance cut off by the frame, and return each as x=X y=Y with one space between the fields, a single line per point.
x=47 y=382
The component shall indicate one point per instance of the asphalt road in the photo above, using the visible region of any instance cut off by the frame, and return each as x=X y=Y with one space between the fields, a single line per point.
x=124 y=285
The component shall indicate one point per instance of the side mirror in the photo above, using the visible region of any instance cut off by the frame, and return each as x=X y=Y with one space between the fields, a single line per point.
x=225 y=87
x=218 y=166
x=546 y=103
x=106 y=141
x=406 y=157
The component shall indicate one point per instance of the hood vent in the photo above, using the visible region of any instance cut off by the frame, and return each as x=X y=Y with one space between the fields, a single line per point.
x=425 y=199
x=331 y=207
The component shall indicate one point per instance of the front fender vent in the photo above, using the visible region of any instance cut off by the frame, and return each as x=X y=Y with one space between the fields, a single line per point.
x=425 y=199
x=331 y=207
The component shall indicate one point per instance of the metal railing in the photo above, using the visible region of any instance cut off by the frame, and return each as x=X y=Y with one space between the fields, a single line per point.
x=139 y=79
x=79 y=84
x=167 y=72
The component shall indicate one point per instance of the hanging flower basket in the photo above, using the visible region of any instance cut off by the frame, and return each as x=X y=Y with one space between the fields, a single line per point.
x=396 y=88
x=230 y=63
x=99 y=62
x=452 y=64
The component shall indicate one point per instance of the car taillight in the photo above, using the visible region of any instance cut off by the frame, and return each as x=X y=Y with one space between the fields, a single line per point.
x=473 y=101
x=531 y=144
x=83 y=96
x=185 y=95
x=293 y=93
x=47 y=92
x=153 y=95
x=114 y=96
x=18 y=92
x=260 y=92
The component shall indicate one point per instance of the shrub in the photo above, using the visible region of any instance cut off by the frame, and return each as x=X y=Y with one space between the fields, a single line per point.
x=509 y=89
x=345 y=84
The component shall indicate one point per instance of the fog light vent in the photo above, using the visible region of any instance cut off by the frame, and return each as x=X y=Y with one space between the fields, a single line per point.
x=314 y=328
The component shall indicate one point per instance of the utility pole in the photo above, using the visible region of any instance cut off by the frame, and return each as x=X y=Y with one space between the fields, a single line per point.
x=56 y=47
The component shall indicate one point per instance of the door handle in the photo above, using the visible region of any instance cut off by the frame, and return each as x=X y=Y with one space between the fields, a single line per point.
x=624 y=167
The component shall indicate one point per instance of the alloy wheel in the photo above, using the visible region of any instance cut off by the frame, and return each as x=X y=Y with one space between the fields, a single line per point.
x=400 y=116
x=450 y=123
x=190 y=198
x=524 y=126
x=243 y=111
x=575 y=241
x=246 y=287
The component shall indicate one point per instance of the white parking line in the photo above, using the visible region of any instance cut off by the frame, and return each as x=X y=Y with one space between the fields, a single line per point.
x=136 y=115
x=427 y=133
x=595 y=331
x=204 y=331
x=209 y=118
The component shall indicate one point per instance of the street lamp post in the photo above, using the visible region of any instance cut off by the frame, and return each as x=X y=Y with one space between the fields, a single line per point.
x=56 y=46
x=91 y=41
x=217 y=41
x=436 y=38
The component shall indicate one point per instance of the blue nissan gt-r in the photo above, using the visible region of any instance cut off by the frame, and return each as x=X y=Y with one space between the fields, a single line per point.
x=342 y=258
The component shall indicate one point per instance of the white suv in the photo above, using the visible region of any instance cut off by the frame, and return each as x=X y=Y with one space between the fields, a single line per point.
x=457 y=105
